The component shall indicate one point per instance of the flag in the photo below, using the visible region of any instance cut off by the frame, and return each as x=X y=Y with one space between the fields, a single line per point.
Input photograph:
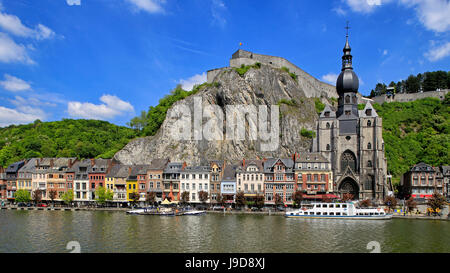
x=240 y=44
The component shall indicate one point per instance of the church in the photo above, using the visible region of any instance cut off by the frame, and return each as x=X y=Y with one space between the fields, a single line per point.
x=352 y=141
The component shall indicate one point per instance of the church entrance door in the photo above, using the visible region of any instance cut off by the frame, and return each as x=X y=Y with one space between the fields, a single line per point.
x=349 y=187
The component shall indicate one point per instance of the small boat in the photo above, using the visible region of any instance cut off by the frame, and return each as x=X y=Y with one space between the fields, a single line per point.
x=194 y=212
x=338 y=211
x=139 y=211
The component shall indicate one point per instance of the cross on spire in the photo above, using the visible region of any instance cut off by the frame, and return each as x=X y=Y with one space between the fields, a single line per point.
x=347 y=27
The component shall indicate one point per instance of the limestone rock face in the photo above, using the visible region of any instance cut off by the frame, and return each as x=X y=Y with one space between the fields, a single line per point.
x=258 y=86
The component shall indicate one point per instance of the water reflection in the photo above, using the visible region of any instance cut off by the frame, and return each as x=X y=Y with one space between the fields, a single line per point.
x=50 y=231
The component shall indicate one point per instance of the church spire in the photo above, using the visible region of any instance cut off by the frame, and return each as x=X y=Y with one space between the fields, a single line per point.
x=347 y=57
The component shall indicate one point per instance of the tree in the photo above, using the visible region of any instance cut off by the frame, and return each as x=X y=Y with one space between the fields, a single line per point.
x=185 y=197
x=412 y=84
x=411 y=204
x=240 y=199
x=220 y=199
x=134 y=196
x=52 y=195
x=391 y=202
x=297 y=197
x=22 y=196
x=278 y=200
x=102 y=195
x=151 y=197
x=347 y=197
x=365 y=203
x=437 y=201
x=67 y=197
x=203 y=196
x=37 y=196
x=259 y=201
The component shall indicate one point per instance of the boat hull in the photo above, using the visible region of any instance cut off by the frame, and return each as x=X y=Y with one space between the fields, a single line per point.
x=346 y=217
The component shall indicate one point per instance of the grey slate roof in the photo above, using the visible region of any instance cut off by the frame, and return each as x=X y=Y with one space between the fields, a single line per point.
x=159 y=164
x=362 y=113
x=310 y=157
x=119 y=171
x=173 y=167
x=196 y=169
x=258 y=163
x=445 y=170
x=328 y=109
x=29 y=167
x=14 y=167
x=229 y=173
x=422 y=167
x=270 y=162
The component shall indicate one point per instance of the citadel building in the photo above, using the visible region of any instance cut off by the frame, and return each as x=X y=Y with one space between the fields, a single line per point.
x=352 y=141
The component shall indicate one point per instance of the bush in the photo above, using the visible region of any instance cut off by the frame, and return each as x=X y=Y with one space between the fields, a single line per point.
x=319 y=105
x=307 y=133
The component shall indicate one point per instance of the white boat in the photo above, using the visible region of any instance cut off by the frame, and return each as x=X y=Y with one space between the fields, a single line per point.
x=338 y=211
x=138 y=211
x=194 y=212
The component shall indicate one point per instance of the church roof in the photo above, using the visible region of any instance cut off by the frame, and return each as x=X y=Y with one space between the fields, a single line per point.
x=328 y=109
x=364 y=113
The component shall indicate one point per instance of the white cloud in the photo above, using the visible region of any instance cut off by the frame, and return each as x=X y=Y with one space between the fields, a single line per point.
x=330 y=78
x=10 y=116
x=13 y=25
x=11 y=52
x=434 y=14
x=385 y=52
x=217 y=10
x=112 y=106
x=188 y=84
x=14 y=84
x=73 y=2
x=438 y=52
x=364 y=6
x=150 y=6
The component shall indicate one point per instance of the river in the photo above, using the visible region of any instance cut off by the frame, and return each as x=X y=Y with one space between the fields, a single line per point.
x=103 y=231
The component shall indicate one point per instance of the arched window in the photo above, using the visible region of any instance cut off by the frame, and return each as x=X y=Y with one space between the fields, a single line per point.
x=369 y=183
x=369 y=123
x=348 y=159
x=354 y=99
x=369 y=163
x=328 y=147
x=328 y=125
x=369 y=146
x=347 y=99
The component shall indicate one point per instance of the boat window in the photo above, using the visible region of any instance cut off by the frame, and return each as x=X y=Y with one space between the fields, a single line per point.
x=376 y=213
x=344 y=213
x=325 y=213
x=311 y=213
x=338 y=206
x=324 y=205
x=382 y=213
x=366 y=213
x=331 y=206
x=318 y=213
x=344 y=205
x=338 y=213
x=371 y=213
x=331 y=213
x=318 y=206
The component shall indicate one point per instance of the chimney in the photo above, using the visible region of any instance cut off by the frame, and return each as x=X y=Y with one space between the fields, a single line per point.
x=40 y=160
x=37 y=162
x=51 y=162
x=92 y=162
x=243 y=162
x=129 y=170
x=184 y=165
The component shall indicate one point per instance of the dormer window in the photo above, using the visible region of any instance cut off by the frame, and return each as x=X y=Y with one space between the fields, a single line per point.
x=348 y=112
x=368 y=112
x=327 y=114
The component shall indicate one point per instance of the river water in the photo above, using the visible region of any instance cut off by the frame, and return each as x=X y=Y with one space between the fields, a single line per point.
x=102 y=231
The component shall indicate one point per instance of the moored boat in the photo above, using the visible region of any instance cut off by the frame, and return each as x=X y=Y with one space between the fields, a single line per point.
x=338 y=211
x=194 y=212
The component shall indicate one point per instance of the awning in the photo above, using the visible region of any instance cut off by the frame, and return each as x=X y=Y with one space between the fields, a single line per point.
x=167 y=202
x=422 y=195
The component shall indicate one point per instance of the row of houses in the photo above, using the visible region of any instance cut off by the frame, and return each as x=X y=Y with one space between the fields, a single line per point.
x=309 y=172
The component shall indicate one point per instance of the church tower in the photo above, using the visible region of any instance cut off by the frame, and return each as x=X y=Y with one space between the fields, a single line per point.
x=351 y=139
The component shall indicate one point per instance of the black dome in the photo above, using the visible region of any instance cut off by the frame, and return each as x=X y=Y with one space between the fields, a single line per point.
x=347 y=82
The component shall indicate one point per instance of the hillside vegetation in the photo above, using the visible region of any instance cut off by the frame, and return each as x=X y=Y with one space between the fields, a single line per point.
x=66 y=138
x=416 y=131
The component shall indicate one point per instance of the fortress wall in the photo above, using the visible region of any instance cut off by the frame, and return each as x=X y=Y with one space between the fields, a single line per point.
x=211 y=74
x=309 y=82
x=405 y=97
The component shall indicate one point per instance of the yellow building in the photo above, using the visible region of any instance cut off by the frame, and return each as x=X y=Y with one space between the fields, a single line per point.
x=132 y=183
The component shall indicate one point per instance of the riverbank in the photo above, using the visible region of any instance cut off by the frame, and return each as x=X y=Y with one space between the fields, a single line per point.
x=226 y=212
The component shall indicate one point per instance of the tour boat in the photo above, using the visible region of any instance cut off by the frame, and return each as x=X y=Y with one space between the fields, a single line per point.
x=140 y=210
x=194 y=212
x=338 y=211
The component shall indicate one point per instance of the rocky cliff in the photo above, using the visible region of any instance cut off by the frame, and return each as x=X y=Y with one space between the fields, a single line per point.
x=260 y=85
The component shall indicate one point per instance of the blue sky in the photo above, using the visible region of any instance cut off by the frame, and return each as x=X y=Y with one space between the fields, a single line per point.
x=110 y=59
